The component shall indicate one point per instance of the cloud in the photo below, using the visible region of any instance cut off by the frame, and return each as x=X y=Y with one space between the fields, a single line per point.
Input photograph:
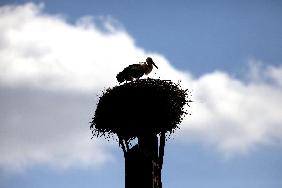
x=38 y=127
x=50 y=71
x=234 y=115
x=40 y=48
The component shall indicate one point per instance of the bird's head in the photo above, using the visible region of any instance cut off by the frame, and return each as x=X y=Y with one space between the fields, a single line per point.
x=149 y=60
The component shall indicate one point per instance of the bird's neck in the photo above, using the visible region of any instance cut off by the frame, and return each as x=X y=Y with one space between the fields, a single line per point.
x=149 y=68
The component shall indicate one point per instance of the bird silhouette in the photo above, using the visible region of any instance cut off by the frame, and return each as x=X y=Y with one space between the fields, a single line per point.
x=136 y=70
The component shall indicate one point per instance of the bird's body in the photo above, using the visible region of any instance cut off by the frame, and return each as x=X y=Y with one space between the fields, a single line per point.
x=136 y=71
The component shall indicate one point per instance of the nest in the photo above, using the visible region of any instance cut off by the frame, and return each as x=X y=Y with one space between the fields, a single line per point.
x=139 y=107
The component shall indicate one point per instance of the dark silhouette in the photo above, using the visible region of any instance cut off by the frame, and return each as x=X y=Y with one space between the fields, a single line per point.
x=148 y=110
x=136 y=70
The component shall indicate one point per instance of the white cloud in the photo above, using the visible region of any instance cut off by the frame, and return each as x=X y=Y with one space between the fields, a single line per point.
x=41 y=48
x=236 y=116
x=38 y=127
x=49 y=70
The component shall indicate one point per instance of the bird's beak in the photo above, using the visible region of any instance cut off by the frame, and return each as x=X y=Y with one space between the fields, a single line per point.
x=155 y=65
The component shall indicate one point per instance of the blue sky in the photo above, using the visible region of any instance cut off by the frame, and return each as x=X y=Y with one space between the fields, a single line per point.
x=57 y=56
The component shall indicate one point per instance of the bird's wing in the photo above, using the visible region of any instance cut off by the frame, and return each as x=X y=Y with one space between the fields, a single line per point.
x=134 y=67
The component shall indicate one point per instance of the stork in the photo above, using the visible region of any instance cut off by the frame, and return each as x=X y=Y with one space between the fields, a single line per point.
x=136 y=70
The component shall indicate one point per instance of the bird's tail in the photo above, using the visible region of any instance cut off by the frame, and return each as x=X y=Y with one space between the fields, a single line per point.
x=120 y=77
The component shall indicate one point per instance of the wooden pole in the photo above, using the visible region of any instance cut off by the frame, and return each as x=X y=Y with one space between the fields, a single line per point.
x=142 y=167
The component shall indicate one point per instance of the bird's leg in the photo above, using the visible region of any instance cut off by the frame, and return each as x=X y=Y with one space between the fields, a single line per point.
x=121 y=143
x=126 y=145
